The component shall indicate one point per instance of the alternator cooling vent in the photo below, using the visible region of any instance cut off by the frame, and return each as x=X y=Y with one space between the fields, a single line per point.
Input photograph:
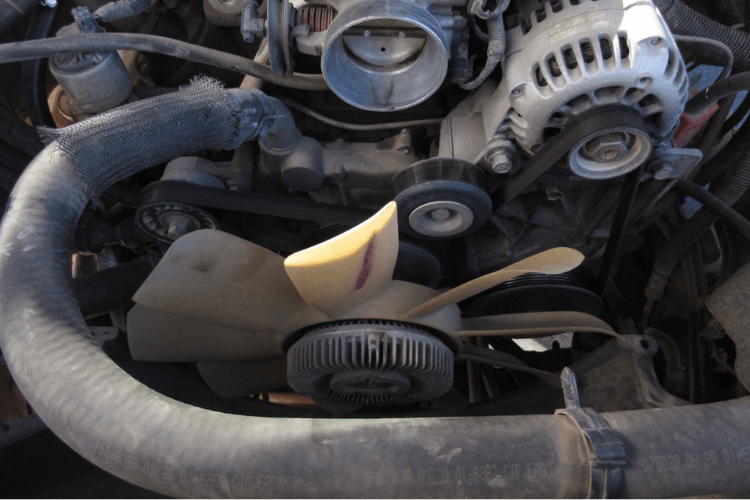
x=571 y=55
x=370 y=362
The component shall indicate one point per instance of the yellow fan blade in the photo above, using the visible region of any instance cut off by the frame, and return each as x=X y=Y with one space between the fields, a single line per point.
x=554 y=261
x=217 y=278
x=350 y=269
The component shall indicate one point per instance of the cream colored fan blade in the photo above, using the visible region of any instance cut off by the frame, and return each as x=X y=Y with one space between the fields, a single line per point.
x=535 y=324
x=155 y=335
x=235 y=379
x=349 y=269
x=554 y=261
x=217 y=278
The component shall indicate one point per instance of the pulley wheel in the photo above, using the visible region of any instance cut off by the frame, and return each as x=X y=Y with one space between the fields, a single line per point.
x=167 y=222
x=441 y=198
x=610 y=153
x=572 y=291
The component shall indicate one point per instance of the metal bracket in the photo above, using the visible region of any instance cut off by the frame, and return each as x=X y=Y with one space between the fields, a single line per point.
x=606 y=451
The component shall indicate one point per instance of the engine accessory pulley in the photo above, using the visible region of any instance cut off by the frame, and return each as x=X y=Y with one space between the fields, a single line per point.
x=370 y=362
x=578 y=132
x=610 y=153
x=441 y=198
x=169 y=221
x=571 y=291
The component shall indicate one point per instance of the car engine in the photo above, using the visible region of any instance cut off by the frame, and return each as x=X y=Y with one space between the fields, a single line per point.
x=398 y=248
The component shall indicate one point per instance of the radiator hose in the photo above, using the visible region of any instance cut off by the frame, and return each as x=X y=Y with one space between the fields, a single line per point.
x=682 y=20
x=184 y=451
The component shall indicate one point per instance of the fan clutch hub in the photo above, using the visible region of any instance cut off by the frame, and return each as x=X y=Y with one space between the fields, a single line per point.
x=370 y=362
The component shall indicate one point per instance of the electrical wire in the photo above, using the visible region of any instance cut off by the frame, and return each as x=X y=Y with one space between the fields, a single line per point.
x=355 y=127
x=483 y=36
x=100 y=42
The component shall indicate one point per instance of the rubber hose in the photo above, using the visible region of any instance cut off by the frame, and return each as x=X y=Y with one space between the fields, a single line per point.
x=12 y=12
x=737 y=116
x=725 y=87
x=730 y=190
x=727 y=157
x=726 y=12
x=713 y=127
x=180 y=450
x=697 y=46
x=682 y=20
x=122 y=9
x=34 y=73
x=102 y=42
x=715 y=205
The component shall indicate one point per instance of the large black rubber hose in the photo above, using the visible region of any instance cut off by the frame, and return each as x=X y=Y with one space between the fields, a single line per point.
x=697 y=45
x=715 y=205
x=724 y=159
x=102 y=42
x=723 y=88
x=683 y=20
x=729 y=192
x=180 y=450
x=726 y=12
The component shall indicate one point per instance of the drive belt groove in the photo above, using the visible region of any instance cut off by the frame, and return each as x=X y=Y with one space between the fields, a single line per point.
x=168 y=192
x=589 y=123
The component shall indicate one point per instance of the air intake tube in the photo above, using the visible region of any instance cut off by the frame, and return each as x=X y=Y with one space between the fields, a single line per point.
x=183 y=451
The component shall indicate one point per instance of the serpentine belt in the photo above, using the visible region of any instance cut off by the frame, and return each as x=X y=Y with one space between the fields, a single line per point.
x=525 y=325
x=588 y=123
x=164 y=192
x=591 y=122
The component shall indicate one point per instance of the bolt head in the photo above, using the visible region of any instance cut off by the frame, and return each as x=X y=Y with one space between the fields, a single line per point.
x=178 y=225
x=440 y=214
x=607 y=147
x=500 y=162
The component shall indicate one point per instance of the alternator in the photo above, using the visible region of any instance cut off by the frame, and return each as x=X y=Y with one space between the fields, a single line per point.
x=568 y=56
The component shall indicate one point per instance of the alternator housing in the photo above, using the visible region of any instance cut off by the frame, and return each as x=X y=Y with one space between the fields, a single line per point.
x=571 y=55
x=568 y=56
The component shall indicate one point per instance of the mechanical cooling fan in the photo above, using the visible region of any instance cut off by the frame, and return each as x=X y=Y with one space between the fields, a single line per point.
x=357 y=336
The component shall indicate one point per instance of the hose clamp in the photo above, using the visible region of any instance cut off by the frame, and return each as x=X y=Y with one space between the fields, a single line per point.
x=606 y=451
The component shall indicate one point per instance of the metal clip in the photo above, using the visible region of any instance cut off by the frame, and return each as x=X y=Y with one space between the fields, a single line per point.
x=606 y=450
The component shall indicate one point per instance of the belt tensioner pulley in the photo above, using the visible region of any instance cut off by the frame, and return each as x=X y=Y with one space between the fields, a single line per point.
x=441 y=198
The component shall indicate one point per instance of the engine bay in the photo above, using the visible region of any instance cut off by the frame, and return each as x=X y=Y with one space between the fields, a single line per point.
x=400 y=212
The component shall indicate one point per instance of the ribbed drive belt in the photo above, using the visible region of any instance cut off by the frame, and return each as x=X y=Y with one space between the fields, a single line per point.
x=589 y=123
x=165 y=192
